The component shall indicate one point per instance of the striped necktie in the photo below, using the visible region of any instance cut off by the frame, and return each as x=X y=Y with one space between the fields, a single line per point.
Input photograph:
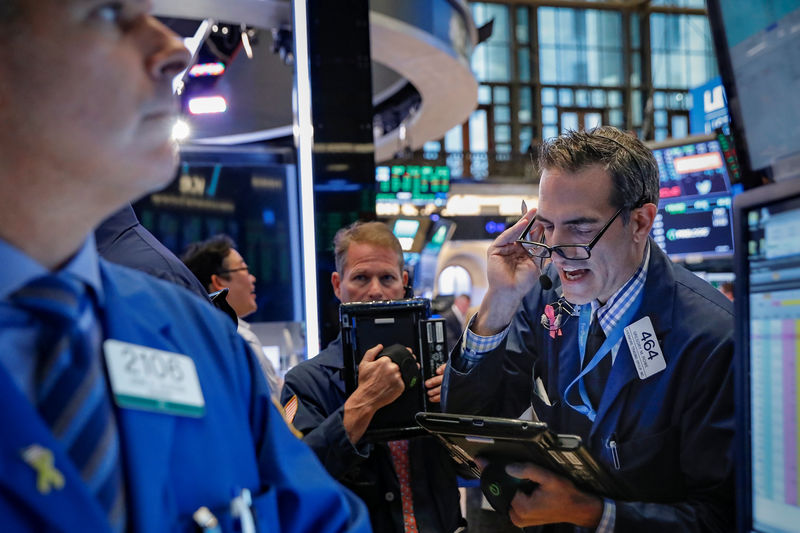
x=71 y=393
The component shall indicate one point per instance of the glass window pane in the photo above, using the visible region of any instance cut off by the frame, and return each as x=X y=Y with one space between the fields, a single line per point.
x=587 y=45
x=484 y=94
x=660 y=118
x=582 y=97
x=548 y=132
x=431 y=146
x=478 y=131
x=549 y=115
x=676 y=101
x=565 y=97
x=525 y=138
x=523 y=30
x=569 y=121
x=503 y=148
x=547 y=65
x=548 y=96
x=502 y=134
x=636 y=69
x=679 y=126
x=571 y=67
x=499 y=67
x=454 y=140
x=592 y=120
x=659 y=100
x=616 y=118
x=525 y=105
x=683 y=55
x=524 y=64
x=635 y=37
x=636 y=108
x=547 y=25
x=502 y=114
x=661 y=134
x=614 y=99
x=598 y=98
x=501 y=95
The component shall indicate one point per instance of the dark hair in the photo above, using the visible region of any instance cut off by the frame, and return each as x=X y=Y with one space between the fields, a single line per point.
x=630 y=163
x=374 y=233
x=205 y=258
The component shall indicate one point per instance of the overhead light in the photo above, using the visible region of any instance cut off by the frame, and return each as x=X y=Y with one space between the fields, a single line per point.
x=206 y=105
x=207 y=69
x=181 y=130
x=248 y=49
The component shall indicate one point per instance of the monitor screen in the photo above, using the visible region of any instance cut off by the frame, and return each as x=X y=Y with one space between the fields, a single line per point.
x=413 y=184
x=406 y=231
x=425 y=274
x=694 y=217
x=768 y=357
x=757 y=46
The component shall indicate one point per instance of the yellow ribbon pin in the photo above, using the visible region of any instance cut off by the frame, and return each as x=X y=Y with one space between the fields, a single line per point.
x=48 y=476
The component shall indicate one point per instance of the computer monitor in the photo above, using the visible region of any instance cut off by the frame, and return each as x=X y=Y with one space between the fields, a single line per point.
x=425 y=274
x=413 y=184
x=757 y=45
x=767 y=360
x=694 y=216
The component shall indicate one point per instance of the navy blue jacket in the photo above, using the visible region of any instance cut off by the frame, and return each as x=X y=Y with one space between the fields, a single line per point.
x=122 y=239
x=674 y=430
x=367 y=469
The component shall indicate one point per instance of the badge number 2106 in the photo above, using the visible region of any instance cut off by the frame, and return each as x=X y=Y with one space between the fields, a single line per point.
x=145 y=363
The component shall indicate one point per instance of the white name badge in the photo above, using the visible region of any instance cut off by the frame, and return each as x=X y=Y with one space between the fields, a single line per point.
x=153 y=380
x=645 y=350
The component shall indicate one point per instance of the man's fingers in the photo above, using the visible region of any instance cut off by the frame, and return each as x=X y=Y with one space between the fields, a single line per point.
x=372 y=353
x=435 y=381
x=512 y=234
x=528 y=471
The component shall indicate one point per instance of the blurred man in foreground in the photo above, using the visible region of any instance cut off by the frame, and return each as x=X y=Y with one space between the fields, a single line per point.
x=127 y=403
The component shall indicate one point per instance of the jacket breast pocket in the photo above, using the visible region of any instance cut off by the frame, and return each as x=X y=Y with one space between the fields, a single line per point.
x=651 y=465
x=545 y=413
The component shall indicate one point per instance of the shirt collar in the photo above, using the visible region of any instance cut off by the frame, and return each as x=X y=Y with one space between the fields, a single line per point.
x=19 y=269
x=616 y=306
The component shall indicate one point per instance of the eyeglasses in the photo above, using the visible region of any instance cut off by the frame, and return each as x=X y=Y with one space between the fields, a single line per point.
x=229 y=270
x=580 y=252
x=573 y=252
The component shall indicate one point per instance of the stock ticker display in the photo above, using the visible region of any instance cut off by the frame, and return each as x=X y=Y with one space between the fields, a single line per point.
x=413 y=184
x=694 y=212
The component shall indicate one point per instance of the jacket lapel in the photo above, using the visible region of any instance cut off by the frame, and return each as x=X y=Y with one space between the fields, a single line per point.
x=659 y=295
x=70 y=507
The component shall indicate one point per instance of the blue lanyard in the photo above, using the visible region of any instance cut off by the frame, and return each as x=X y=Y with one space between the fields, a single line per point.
x=614 y=336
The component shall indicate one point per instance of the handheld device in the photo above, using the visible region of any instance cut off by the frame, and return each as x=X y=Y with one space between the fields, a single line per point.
x=406 y=323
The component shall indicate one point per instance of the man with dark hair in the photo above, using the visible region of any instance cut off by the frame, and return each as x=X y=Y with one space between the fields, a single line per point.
x=128 y=404
x=569 y=345
x=218 y=265
x=407 y=485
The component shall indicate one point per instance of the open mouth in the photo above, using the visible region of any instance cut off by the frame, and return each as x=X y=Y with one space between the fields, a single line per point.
x=574 y=274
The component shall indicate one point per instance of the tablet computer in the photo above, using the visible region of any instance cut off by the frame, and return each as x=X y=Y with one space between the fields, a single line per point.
x=506 y=440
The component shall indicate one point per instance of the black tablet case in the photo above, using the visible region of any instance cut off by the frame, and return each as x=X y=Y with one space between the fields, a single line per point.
x=511 y=441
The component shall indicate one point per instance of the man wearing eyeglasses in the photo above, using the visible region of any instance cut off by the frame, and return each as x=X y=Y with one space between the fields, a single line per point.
x=218 y=265
x=575 y=288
